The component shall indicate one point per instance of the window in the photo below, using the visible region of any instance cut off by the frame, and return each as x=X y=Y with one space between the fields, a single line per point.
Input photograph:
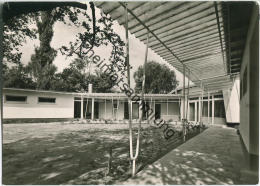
x=16 y=98
x=218 y=96
x=46 y=100
x=219 y=109
x=115 y=105
x=205 y=109
x=77 y=99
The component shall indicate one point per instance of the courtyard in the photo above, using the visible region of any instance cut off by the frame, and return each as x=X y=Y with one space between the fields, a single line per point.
x=67 y=153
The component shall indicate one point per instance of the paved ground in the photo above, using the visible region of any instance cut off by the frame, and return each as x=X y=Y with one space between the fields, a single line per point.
x=212 y=157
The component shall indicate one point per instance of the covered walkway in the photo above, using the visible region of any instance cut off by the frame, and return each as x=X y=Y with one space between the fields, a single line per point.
x=215 y=156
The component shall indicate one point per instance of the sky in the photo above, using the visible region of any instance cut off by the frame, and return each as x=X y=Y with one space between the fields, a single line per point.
x=63 y=34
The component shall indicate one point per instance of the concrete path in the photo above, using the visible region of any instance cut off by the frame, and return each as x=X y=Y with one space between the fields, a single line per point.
x=213 y=157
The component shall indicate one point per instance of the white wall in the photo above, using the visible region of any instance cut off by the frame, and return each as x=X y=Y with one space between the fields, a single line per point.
x=249 y=101
x=231 y=101
x=63 y=108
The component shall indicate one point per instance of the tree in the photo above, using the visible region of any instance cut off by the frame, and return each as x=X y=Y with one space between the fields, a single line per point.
x=40 y=67
x=159 y=78
x=17 y=77
x=17 y=21
x=19 y=15
x=76 y=78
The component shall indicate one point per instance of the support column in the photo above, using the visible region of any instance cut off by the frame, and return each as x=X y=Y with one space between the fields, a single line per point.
x=199 y=109
x=196 y=112
x=213 y=111
x=188 y=111
x=201 y=105
x=184 y=105
x=112 y=102
x=140 y=109
x=92 y=109
x=105 y=108
x=131 y=108
x=81 y=108
x=154 y=106
x=183 y=117
x=208 y=107
x=167 y=107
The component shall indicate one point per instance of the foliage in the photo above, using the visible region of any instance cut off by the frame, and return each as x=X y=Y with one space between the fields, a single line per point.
x=158 y=78
x=76 y=78
x=16 y=77
x=40 y=69
x=16 y=32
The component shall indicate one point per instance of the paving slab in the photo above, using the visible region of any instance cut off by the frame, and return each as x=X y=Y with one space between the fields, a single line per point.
x=215 y=156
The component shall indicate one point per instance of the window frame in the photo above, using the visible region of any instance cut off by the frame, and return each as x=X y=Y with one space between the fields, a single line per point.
x=15 y=102
x=51 y=103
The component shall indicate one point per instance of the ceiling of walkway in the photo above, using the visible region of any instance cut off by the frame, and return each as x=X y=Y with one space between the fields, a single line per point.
x=207 y=37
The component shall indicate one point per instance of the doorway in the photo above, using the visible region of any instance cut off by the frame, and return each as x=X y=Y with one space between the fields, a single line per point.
x=192 y=111
x=157 y=111
x=77 y=109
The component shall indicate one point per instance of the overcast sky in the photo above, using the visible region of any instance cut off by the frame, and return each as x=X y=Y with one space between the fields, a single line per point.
x=63 y=34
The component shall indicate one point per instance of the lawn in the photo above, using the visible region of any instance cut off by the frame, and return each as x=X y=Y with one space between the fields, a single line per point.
x=58 y=153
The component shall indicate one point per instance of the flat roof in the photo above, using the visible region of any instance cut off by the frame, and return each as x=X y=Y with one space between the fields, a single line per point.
x=86 y=94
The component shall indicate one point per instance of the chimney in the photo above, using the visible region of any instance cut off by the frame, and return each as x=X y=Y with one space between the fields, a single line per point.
x=90 y=88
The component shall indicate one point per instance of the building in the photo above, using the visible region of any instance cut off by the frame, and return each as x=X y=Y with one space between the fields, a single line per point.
x=32 y=105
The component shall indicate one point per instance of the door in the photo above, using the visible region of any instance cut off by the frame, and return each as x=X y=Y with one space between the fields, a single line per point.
x=77 y=109
x=157 y=111
x=96 y=110
x=192 y=111
x=135 y=111
x=126 y=112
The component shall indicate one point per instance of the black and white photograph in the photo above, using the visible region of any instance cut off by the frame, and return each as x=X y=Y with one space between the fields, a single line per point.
x=129 y=92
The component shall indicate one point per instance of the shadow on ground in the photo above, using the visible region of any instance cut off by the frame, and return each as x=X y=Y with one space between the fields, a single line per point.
x=80 y=157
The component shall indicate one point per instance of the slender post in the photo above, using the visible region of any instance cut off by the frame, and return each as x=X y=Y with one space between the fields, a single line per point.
x=133 y=158
x=183 y=117
x=112 y=103
x=184 y=95
x=143 y=83
x=81 y=107
x=213 y=111
x=202 y=103
x=187 y=97
x=208 y=107
x=92 y=109
x=105 y=108
x=167 y=107
x=199 y=109
x=196 y=111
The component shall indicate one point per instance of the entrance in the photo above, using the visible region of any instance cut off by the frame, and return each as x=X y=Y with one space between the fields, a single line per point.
x=126 y=112
x=192 y=111
x=157 y=111
x=77 y=109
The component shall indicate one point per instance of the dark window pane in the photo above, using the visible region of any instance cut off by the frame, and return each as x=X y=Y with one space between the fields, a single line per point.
x=205 y=109
x=16 y=98
x=218 y=96
x=219 y=109
x=46 y=100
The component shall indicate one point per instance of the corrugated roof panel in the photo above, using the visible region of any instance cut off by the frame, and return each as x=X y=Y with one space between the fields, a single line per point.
x=188 y=29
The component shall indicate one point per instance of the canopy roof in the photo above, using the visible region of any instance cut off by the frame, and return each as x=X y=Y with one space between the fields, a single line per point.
x=207 y=37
